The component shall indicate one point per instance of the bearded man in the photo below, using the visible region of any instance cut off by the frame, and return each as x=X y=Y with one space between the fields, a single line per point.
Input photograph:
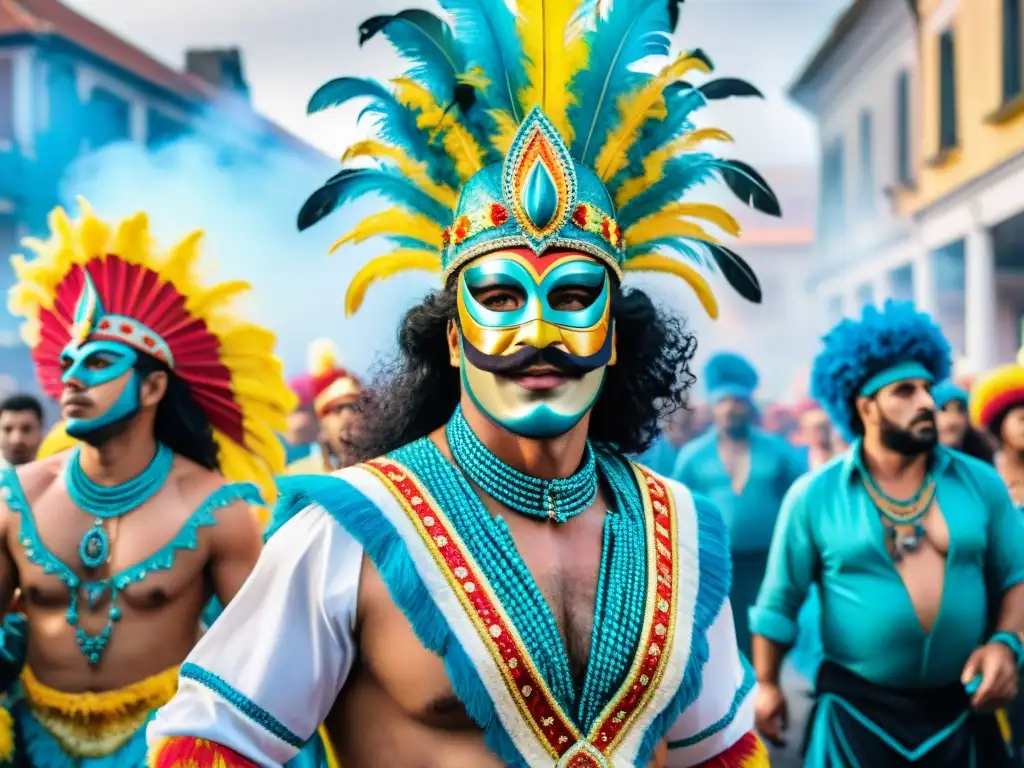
x=918 y=553
x=118 y=541
x=501 y=585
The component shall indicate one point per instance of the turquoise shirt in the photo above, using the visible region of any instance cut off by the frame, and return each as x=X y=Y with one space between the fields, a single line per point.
x=830 y=533
x=774 y=465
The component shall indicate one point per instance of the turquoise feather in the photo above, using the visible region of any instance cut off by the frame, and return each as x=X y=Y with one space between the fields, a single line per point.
x=352 y=183
x=676 y=245
x=487 y=38
x=681 y=103
x=394 y=123
x=681 y=174
x=633 y=30
x=426 y=41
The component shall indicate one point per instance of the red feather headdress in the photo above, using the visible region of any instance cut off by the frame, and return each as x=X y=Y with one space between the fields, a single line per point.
x=152 y=301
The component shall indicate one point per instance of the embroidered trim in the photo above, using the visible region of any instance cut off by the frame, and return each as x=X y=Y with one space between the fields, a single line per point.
x=242 y=703
x=553 y=728
x=746 y=686
x=368 y=524
x=715 y=580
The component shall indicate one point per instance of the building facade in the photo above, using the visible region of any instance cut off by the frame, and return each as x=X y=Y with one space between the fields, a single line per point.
x=69 y=87
x=861 y=88
x=950 y=77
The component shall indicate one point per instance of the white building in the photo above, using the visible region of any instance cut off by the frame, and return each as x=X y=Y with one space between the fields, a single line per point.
x=859 y=86
x=920 y=107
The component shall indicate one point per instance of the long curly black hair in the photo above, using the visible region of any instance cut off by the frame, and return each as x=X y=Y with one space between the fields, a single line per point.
x=418 y=390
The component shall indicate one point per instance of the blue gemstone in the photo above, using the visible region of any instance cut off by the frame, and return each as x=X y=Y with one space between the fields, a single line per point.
x=539 y=196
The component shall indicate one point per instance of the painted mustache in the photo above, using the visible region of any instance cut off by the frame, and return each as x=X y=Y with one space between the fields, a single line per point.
x=519 y=362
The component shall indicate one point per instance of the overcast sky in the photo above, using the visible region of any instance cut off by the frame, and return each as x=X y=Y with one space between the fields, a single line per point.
x=291 y=48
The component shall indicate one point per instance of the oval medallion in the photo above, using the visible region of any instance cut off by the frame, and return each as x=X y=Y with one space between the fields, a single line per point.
x=94 y=547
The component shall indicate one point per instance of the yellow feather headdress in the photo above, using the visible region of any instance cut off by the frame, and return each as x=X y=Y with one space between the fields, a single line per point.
x=457 y=136
x=152 y=300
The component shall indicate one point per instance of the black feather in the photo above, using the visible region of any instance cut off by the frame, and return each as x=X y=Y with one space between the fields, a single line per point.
x=737 y=272
x=372 y=26
x=724 y=87
x=698 y=53
x=464 y=97
x=750 y=186
x=673 y=13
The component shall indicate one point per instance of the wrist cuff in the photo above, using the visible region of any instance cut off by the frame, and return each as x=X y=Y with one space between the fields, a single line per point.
x=1012 y=641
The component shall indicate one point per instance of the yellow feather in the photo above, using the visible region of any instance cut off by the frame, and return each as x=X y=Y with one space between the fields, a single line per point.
x=665 y=224
x=382 y=267
x=653 y=262
x=654 y=163
x=458 y=142
x=693 y=138
x=412 y=170
x=661 y=223
x=474 y=77
x=505 y=133
x=647 y=101
x=322 y=357
x=395 y=222
x=553 y=58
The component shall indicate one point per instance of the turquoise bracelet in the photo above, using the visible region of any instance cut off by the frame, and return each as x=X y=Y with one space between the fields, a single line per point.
x=1012 y=641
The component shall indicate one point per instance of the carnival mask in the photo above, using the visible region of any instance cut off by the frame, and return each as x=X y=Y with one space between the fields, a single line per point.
x=101 y=352
x=536 y=337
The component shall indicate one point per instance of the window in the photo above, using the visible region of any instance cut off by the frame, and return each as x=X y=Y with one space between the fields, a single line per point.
x=8 y=246
x=109 y=119
x=866 y=197
x=832 y=188
x=949 y=271
x=901 y=283
x=6 y=98
x=903 y=172
x=947 y=91
x=865 y=295
x=1012 y=71
x=162 y=130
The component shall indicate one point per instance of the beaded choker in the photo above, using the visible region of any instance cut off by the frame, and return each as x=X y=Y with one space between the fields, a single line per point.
x=107 y=502
x=556 y=500
x=901 y=512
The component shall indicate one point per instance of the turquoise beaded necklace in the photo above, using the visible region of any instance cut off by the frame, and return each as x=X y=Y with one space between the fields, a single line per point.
x=557 y=500
x=108 y=502
x=621 y=588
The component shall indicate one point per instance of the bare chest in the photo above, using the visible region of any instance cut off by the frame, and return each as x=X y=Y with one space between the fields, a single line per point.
x=563 y=565
x=59 y=541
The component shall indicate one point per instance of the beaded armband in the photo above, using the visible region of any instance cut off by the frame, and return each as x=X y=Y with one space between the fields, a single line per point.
x=1011 y=640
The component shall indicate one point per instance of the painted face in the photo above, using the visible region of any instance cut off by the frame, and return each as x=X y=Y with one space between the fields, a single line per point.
x=101 y=386
x=536 y=337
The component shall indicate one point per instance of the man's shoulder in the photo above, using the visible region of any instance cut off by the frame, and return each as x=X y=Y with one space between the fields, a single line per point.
x=976 y=471
x=821 y=481
x=36 y=477
x=702 y=442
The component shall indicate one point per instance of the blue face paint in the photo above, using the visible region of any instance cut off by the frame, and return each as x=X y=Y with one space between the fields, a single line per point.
x=93 y=364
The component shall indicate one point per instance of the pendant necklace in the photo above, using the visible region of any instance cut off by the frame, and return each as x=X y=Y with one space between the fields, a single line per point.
x=109 y=502
x=902 y=512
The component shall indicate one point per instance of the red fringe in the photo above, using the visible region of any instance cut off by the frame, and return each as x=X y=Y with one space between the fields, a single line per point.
x=187 y=752
x=748 y=752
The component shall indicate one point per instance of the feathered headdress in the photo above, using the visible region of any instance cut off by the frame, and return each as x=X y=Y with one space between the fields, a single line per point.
x=994 y=395
x=330 y=380
x=895 y=338
x=533 y=127
x=92 y=280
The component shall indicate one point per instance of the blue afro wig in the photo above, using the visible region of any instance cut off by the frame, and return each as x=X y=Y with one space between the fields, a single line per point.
x=857 y=350
x=728 y=374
